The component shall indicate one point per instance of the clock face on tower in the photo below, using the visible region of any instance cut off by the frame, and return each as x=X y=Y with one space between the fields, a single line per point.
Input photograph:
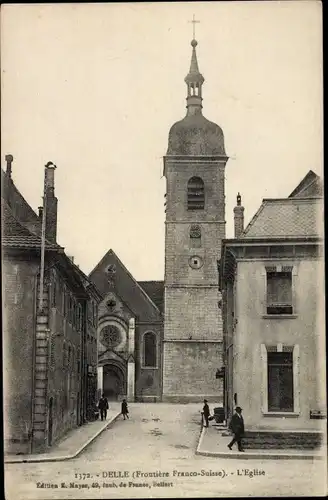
x=195 y=262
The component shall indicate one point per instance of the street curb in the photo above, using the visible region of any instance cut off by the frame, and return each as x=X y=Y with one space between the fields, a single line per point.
x=255 y=455
x=200 y=439
x=62 y=458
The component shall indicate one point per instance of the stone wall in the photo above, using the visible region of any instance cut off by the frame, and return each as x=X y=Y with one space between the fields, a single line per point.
x=193 y=312
x=19 y=301
x=189 y=372
x=193 y=321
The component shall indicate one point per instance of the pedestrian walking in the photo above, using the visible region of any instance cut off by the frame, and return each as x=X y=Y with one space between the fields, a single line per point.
x=206 y=413
x=237 y=428
x=103 y=407
x=124 y=409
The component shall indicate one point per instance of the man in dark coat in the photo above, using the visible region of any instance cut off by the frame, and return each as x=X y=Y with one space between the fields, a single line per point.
x=103 y=407
x=237 y=428
x=124 y=409
x=206 y=412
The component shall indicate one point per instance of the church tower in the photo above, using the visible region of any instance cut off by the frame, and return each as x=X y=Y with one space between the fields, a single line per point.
x=194 y=168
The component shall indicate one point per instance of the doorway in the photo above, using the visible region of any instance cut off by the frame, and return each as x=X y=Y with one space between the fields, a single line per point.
x=114 y=382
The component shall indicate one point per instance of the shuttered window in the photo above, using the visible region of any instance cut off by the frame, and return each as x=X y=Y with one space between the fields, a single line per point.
x=279 y=292
x=196 y=194
x=280 y=381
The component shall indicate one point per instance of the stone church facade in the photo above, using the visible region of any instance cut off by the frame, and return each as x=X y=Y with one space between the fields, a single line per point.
x=130 y=333
x=162 y=341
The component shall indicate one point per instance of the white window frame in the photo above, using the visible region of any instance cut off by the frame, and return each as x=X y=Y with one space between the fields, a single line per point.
x=296 y=382
x=279 y=265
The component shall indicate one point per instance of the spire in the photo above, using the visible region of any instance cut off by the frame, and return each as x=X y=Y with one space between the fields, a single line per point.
x=194 y=70
x=194 y=81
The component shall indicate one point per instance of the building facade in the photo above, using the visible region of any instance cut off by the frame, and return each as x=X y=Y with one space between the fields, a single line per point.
x=130 y=333
x=47 y=341
x=271 y=277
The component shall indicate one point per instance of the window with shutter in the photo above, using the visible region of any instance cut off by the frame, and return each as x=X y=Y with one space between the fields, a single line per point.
x=279 y=292
x=52 y=352
x=64 y=356
x=54 y=292
x=59 y=298
x=64 y=301
x=280 y=381
x=195 y=194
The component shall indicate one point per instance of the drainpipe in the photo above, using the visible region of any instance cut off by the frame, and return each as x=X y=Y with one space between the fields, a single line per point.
x=83 y=367
x=35 y=298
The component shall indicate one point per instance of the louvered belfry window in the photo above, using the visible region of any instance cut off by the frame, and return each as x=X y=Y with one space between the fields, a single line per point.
x=196 y=194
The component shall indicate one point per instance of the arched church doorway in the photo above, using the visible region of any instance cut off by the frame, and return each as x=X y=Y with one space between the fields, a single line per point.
x=114 y=382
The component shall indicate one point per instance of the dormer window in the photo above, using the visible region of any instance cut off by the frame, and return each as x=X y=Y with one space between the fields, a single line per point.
x=196 y=194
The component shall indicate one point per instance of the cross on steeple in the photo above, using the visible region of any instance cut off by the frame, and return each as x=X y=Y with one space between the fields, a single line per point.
x=194 y=21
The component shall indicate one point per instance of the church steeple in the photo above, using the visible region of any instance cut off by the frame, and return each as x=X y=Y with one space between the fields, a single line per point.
x=194 y=81
x=194 y=135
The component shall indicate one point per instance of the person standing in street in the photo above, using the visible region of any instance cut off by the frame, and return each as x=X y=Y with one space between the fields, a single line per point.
x=124 y=409
x=206 y=413
x=237 y=428
x=103 y=407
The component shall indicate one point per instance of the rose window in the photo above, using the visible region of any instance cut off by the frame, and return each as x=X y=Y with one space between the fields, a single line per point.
x=111 y=336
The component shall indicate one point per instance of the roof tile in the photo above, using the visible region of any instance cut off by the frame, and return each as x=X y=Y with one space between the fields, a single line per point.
x=16 y=235
x=286 y=218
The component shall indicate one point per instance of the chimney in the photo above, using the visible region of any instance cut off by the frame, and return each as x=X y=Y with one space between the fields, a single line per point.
x=51 y=208
x=9 y=159
x=40 y=212
x=238 y=217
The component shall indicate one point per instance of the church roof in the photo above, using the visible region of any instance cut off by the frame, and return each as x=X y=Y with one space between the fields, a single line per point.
x=155 y=290
x=194 y=135
x=124 y=284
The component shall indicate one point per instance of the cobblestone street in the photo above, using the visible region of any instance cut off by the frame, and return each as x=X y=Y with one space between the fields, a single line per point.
x=159 y=437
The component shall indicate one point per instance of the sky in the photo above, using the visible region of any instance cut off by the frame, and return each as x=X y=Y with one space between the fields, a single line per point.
x=95 y=88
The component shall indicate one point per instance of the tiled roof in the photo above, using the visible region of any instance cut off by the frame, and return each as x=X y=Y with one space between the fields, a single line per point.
x=287 y=218
x=310 y=187
x=16 y=235
x=154 y=290
x=19 y=206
